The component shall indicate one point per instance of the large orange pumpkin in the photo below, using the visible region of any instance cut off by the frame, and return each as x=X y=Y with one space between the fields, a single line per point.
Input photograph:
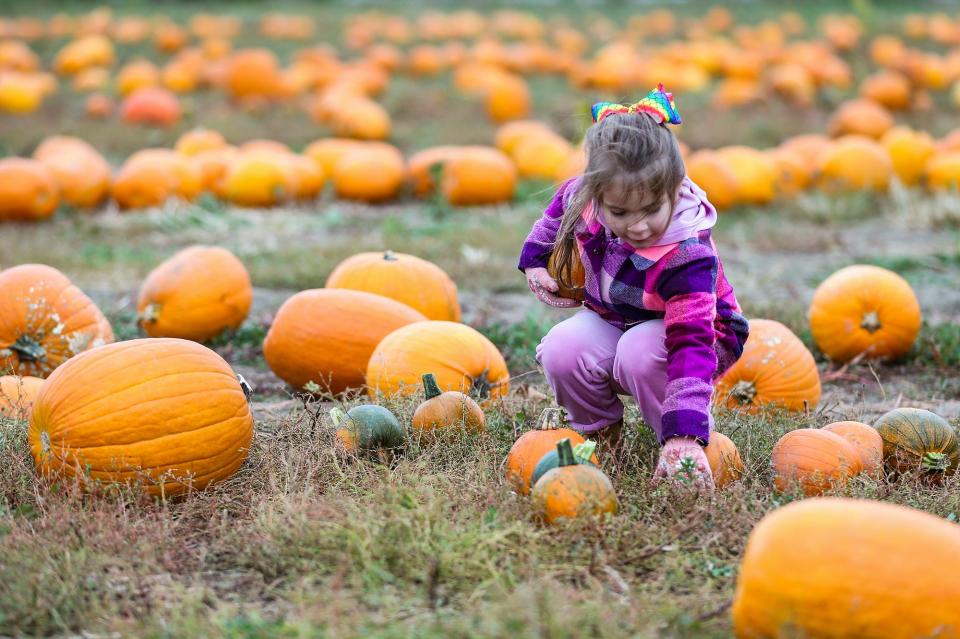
x=459 y=357
x=864 y=309
x=45 y=320
x=541 y=157
x=370 y=173
x=479 y=175
x=530 y=448
x=166 y=412
x=814 y=459
x=196 y=294
x=406 y=278
x=754 y=174
x=846 y=569
x=17 y=395
x=326 y=336
x=252 y=73
x=854 y=163
x=712 y=174
x=866 y=440
x=81 y=173
x=153 y=106
x=28 y=191
x=422 y=164
x=775 y=369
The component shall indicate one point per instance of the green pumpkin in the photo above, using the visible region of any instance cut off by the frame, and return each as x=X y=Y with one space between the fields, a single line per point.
x=368 y=428
x=914 y=438
x=582 y=454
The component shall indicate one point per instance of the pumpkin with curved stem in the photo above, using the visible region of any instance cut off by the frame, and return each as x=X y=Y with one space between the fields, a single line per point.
x=367 y=429
x=28 y=190
x=843 y=568
x=724 y=458
x=815 y=460
x=583 y=453
x=573 y=490
x=442 y=411
x=530 y=448
x=866 y=441
x=45 y=320
x=864 y=309
x=17 y=395
x=776 y=369
x=326 y=336
x=406 y=278
x=460 y=358
x=196 y=294
x=916 y=439
x=167 y=412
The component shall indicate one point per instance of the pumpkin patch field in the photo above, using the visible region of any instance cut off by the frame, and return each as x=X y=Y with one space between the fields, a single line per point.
x=267 y=365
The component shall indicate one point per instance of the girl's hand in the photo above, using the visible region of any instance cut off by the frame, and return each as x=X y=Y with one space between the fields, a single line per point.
x=545 y=288
x=683 y=459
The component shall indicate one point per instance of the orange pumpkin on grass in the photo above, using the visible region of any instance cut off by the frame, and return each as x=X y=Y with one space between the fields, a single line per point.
x=28 y=191
x=444 y=411
x=866 y=440
x=724 y=458
x=813 y=459
x=530 y=448
x=573 y=490
x=82 y=174
x=477 y=176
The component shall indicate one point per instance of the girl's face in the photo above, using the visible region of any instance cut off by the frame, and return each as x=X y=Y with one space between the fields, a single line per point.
x=635 y=217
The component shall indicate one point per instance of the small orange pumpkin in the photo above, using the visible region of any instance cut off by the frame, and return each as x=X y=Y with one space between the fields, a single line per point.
x=28 y=191
x=81 y=173
x=154 y=106
x=814 y=459
x=252 y=73
x=866 y=440
x=572 y=490
x=725 y=463
x=371 y=173
x=530 y=448
x=196 y=294
x=860 y=117
x=259 y=178
x=406 y=278
x=576 y=276
x=17 y=395
x=442 y=411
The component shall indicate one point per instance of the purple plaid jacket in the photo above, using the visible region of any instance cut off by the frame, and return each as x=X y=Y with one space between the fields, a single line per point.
x=685 y=287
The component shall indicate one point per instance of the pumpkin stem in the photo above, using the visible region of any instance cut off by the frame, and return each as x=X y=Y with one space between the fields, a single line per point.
x=28 y=349
x=744 y=392
x=245 y=387
x=430 y=387
x=565 y=453
x=389 y=256
x=150 y=314
x=585 y=450
x=871 y=322
x=338 y=415
x=935 y=462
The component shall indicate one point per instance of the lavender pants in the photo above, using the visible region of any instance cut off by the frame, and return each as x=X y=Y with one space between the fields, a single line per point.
x=588 y=363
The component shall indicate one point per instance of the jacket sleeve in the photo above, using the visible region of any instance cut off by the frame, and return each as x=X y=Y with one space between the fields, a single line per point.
x=689 y=292
x=539 y=243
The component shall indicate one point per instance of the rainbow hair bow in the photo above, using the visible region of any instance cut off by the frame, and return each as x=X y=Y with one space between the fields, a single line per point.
x=658 y=104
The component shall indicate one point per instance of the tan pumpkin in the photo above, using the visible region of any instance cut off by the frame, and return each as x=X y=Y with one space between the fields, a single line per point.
x=28 y=190
x=416 y=282
x=573 y=490
x=326 y=336
x=776 y=369
x=196 y=294
x=17 y=395
x=724 y=458
x=813 y=459
x=165 y=412
x=45 y=320
x=867 y=442
x=81 y=173
x=847 y=569
x=441 y=412
x=371 y=173
x=530 y=448
x=864 y=309
x=459 y=357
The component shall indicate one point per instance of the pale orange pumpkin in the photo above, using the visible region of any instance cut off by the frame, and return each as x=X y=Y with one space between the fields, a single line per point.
x=444 y=411
x=573 y=490
x=371 y=173
x=889 y=89
x=82 y=174
x=165 y=412
x=864 y=309
x=326 y=336
x=99 y=106
x=813 y=459
x=459 y=357
x=17 y=395
x=154 y=106
x=198 y=140
x=416 y=282
x=860 y=117
x=867 y=442
x=197 y=294
x=150 y=176
x=478 y=175
x=776 y=369
x=28 y=190
x=137 y=75
x=724 y=458
x=854 y=163
x=252 y=73
x=45 y=320
x=909 y=151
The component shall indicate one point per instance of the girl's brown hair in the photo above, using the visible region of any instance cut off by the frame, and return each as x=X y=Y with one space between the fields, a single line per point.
x=622 y=146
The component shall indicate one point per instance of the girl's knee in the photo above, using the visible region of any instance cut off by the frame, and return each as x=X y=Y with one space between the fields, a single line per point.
x=569 y=348
x=641 y=351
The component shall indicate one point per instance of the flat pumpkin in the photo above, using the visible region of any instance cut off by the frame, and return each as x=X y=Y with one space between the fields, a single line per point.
x=776 y=369
x=815 y=460
x=916 y=439
x=443 y=411
x=17 y=395
x=864 y=309
x=573 y=490
x=45 y=320
x=834 y=568
x=165 y=412
x=406 y=278
x=459 y=357
x=196 y=294
x=326 y=336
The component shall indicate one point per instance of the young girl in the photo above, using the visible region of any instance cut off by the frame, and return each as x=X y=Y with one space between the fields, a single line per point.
x=661 y=321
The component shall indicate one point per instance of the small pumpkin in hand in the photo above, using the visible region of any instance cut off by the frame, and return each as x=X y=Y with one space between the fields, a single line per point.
x=582 y=453
x=814 y=459
x=725 y=463
x=530 y=448
x=444 y=411
x=866 y=441
x=573 y=490
x=914 y=439
x=368 y=429
x=576 y=276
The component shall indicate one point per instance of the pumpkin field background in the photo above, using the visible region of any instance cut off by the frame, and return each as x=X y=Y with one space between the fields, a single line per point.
x=303 y=541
